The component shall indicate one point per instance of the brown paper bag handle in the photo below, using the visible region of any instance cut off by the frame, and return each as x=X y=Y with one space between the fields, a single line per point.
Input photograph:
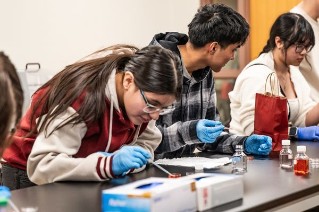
x=272 y=84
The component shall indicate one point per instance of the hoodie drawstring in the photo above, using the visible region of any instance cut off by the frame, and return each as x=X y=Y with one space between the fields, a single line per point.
x=110 y=128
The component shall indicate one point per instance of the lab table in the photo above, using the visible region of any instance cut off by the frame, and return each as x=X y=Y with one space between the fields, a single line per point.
x=266 y=187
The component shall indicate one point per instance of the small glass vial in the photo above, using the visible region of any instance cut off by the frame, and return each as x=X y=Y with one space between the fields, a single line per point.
x=301 y=162
x=239 y=161
x=286 y=156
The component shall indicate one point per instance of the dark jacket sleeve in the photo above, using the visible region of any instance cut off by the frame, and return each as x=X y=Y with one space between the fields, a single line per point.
x=225 y=143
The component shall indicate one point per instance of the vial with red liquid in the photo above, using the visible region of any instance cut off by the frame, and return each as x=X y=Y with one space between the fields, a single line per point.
x=301 y=161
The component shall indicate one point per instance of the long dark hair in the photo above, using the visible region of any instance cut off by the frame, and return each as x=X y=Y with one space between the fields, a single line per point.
x=292 y=28
x=154 y=70
x=220 y=23
x=7 y=66
x=11 y=99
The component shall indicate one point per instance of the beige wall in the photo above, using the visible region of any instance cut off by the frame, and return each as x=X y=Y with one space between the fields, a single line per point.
x=55 y=33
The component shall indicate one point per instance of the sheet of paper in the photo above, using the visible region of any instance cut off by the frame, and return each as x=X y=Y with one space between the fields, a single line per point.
x=207 y=163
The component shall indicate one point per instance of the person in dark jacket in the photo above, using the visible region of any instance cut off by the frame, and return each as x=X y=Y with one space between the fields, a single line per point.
x=215 y=34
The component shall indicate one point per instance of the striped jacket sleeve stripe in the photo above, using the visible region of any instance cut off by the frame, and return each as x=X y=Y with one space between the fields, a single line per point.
x=104 y=167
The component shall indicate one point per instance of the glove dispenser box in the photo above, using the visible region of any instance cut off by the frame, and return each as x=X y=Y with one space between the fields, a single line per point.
x=151 y=194
x=216 y=189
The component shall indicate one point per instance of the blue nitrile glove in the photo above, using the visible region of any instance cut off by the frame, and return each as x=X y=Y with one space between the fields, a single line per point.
x=208 y=130
x=308 y=133
x=129 y=157
x=258 y=145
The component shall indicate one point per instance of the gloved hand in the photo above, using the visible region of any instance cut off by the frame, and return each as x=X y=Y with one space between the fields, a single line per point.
x=258 y=144
x=308 y=133
x=129 y=157
x=208 y=130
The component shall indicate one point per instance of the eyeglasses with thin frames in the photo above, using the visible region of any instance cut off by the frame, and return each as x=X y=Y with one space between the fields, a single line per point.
x=153 y=109
x=301 y=47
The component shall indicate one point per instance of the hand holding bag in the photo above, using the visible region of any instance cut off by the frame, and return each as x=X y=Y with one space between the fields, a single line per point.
x=271 y=114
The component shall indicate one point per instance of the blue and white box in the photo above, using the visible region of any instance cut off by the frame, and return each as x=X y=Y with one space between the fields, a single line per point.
x=216 y=189
x=151 y=195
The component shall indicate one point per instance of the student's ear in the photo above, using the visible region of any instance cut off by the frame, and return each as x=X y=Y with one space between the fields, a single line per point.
x=212 y=47
x=128 y=79
x=279 y=43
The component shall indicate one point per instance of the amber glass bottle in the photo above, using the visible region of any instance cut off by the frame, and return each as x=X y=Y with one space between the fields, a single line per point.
x=301 y=162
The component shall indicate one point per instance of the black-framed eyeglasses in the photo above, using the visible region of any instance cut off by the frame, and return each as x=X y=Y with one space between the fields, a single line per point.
x=301 y=47
x=153 y=109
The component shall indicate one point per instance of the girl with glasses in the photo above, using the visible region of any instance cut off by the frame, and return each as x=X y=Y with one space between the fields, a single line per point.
x=291 y=38
x=90 y=121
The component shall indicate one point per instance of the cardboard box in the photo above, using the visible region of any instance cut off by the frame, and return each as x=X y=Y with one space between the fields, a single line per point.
x=216 y=189
x=151 y=194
